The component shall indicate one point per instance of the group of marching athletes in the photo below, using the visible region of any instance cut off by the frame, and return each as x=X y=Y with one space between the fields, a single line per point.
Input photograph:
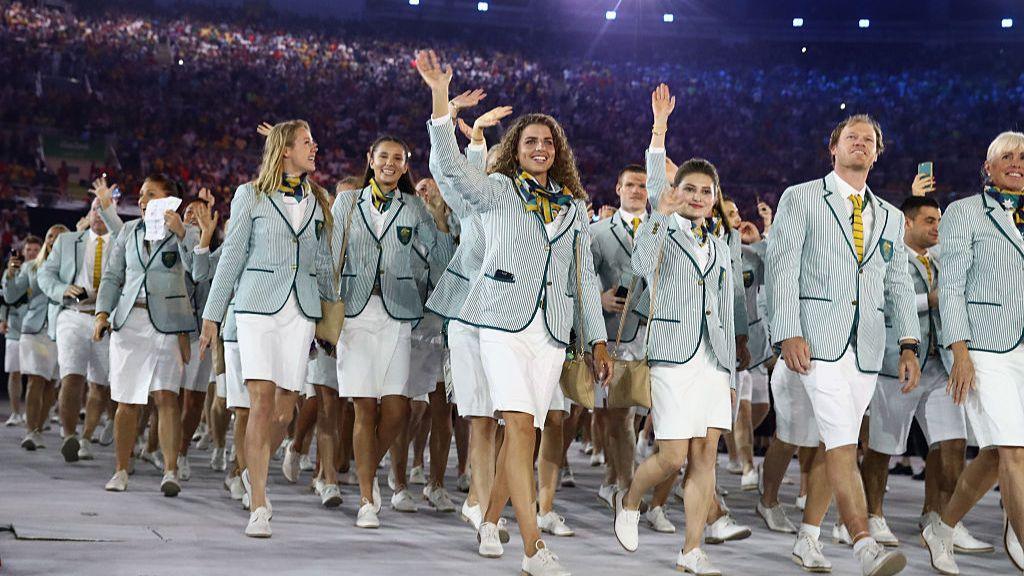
x=463 y=292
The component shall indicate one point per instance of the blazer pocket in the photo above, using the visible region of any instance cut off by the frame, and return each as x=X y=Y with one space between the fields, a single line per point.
x=985 y=303
x=669 y=320
x=259 y=270
x=173 y=297
x=502 y=280
x=456 y=274
x=815 y=298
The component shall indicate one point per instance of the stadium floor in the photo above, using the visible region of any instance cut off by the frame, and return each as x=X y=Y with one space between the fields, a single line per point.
x=55 y=519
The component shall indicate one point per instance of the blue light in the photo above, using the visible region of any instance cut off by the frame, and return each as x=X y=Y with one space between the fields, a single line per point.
x=1007 y=23
x=864 y=23
x=798 y=22
x=668 y=18
x=482 y=6
x=610 y=15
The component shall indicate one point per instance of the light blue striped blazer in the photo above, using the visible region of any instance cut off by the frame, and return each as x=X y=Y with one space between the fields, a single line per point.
x=162 y=271
x=66 y=257
x=268 y=259
x=818 y=290
x=204 y=267
x=927 y=318
x=982 y=274
x=407 y=227
x=752 y=279
x=452 y=288
x=40 y=312
x=537 y=272
x=613 y=254
x=15 y=312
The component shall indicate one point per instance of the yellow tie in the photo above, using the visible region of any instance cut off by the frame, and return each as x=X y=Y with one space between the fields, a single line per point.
x=636 y=225
x=858 y=226
x=927 y=266
x=97 y=265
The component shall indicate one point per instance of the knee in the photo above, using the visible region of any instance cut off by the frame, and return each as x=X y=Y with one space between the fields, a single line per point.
x=555 y=419
x=671 y=459
x=1011 y=458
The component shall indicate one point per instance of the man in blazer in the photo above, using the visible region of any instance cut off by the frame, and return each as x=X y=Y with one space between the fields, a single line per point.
x=836 y=250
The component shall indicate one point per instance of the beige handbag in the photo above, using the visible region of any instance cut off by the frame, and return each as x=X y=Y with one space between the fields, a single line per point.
x=577 y=380
x=630 y=384
x=332 y=314
x=218 y=356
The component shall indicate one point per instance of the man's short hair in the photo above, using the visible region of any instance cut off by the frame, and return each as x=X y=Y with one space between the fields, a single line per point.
x=858 y=119
x=912 y=205
x=630 y=169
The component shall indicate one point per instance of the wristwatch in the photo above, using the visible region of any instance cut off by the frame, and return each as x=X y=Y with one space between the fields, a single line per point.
x=912 y=346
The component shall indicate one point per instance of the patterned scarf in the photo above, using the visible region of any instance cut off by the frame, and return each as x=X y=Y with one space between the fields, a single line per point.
x=381 y=201
x=1010 y=201
x=702 y=232
x=715 y=226
x=292 y=186
x=545 y=201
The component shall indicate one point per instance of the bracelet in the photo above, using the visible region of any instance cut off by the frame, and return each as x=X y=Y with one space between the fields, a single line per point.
x=654 y=130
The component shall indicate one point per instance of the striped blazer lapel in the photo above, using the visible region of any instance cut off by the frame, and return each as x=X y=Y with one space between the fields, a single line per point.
x=836 y=206
x=156 y=249
x=684 y=245
x=881 y=220
x=619 y=232
x=307 y=215
x=919 y=268
x=278 y=204
x=1003 y=224
x=365 y=205
x=392 y=213
x=567 y=221
x=140 y=246
x=79 y=253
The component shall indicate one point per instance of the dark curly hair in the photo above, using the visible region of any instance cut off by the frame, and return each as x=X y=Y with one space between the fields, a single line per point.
x=563 y=170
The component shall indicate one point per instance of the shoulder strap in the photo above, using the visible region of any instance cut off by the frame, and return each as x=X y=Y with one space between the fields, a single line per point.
x=625 y=310
x=654 y=295
x=579 y=297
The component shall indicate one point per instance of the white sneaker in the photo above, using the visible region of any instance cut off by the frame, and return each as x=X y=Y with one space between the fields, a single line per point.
x=204 y=441
x=568 y=478
x=279 y=453
x=801 y=502
x=808 y=555
x=69 y=449
x=154 y=458
x=416 y=476
x=170 y=485
x=734 y=467
x=606 y=494
x=217 y=460
x=490 y=542
x=749 y=481
x=201 y=431
x=184 y=468
x=84 y=449
x=107 y=433
x=965 y=543
x=377 y=502
x=462 y=483
x=306 y=463
x=29 y=442
x=553 y=524
x=438 y=498
x=318 y=486
x=880 y=531
x=775 y=518
x=725 y=529
x=402 y=501
x=658 y=520
x=259 y=523
x=392 y=481
x=626 y=524
x=543 y=563
x=290 y=464
x=472 y=514
x=13 y=420
x=597 y=459
x=330 y=496
x=876 y=561
x=840 y=535
x=367 y=516
x=696 y=562
x=719 y=489
x=235 y=488
x=588 y=448
x=938 y=538
x=118 y=482
x=348 y=478
x=1012 y=544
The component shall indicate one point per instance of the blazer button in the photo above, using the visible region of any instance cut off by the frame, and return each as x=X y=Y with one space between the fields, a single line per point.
x=547 y=248
x=700 y=282
x=294 y=267
x=549 y=283
x=854 y=302
x=707 y=312
x=295 y=240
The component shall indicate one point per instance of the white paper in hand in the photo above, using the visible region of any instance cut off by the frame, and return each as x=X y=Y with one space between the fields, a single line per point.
x=154 y=217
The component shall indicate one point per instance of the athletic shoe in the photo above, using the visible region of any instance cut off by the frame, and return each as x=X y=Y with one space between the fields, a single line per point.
x=154 y=458
x=719 y=489
x=377 y=503
x=734 y=467
x=748 y=482
x=876 y=561
x=69 y=449
x=107 y=433
x=348 y=478
x=901 y=470
x=367 y=516
x=306 y=463
x=118 y=482
x=840 y=535
x=204 y=441
x=964 y=543
x=290 y=464
x=279 y=453
x=29 y=442
x=330 y=496
x=416 y=476
x=588 y=448
x=808 y=555
x=84 y=450
x=259 y=523
x=880 y=531
x=13 y=420
x=626 y=522
x=938 y=538
x=606 y=494
x=235 y=488
x=775 y=518
x=553 y=524
x=462 y=483
x=184 y=468
x=438 y=498
x=170 y=485
x=543 y=563
x=597 y=459
x=725 y=529
x=801 y=502
x=472 y=514
x=568 y=478
x=317 y=486
x=402 y=501
x=490 y=542
x=217 y=460
x=1012 y=544
x=658 y=520
x=696 y=562
x=392 y=481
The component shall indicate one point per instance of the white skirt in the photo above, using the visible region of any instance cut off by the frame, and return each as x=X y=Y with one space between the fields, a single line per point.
x=235 y=392
x=688 y=399
x=323 y=370
x=375 y=350
x=197 y=372
x=522 y=368
x=276 y=347
x=143 y=360
x=12 y=363
x=37 y=355
x=222 y=386
x=995 y=408
x=472 y=394
x=426 y=356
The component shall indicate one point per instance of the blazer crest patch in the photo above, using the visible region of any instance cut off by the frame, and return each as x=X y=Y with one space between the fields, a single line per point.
x=404 y=234
x=169 y=259
x=885 y=249
x=748 y=278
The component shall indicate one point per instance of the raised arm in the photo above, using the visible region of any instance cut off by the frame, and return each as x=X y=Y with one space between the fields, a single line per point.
x=15 y=283
x=662 y=104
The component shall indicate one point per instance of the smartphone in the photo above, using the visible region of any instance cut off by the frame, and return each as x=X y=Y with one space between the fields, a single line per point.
x=115 y=192
x=925 y=169
x=621 y=292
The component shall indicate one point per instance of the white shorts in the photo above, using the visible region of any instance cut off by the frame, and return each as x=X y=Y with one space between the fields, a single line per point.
x=235 y=391
x=825 y=406
x=375 y=350
x=892 y=411
x=426 y=356
x=276 y=347
x=222 y=386
x=522 y=368
x=143 y=360
x=995 y=408
x=197 y=372
x=12 y=363
x=77 y=353
x=629 y=351
x=472 y=394
x=323 y=370
x=688 y=399
x=37 y=355
x=752 y=385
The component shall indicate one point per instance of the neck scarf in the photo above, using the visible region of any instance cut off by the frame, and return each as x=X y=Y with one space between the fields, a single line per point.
x=381 y=201
x=701 y=232
x=545 y=201
x=292 y=186
x=1010 y=201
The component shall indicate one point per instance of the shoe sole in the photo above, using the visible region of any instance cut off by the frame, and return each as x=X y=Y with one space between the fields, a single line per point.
x=258 y=535
x=767 y=525
x=368 y=527
x=651 y=526
x=170 y=490
x=70 y=450
x=569 y=535
x=413 y=511
x=814 y=570
x=686 y=570
x=893 y=565
x=889 y=544
x=333 y=502
x=748 y=488
x=738 y=536
x=960 y=550
x=29 y=445
x=615 y=515
x=1006 y=546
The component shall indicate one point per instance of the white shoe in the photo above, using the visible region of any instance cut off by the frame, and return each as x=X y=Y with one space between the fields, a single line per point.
x=734 y=467
x=170 y=485
x=290 y=464
x=626 y=524
x=184 y=468
x=597 y=459
x=678 y=492
x=416 y=476
x=259 y=523
x=462 y=483
x=877 y=561
x=438 y=498
x=568 y=478
x=118 y=482
x=84 y=450
x=204 y=441
x=29 y=442
x=775 y=518
x=725 y=529
x=69 y=449
x=279 y=453
x=880 y=531
x=367 y=516
x=402 y=501
x=235 y=488
x=606 y=494
x=588 y=448
x=553 y=524
x=12 y=420
x=490 y=541
x=696 y=562
x=472 y=514
x=840 y=535
x=964 y=543
x=330 y=496
x=658 y=520
x=348 y=478
x=154 y=458
x=377 y=502
x=938 y=538
x=543 y=563
x=217 y=460
x=801 y=502
x=107 y=434
x=317 y=486
x=719 y=489
x=201 y=431
x=749 y=481
x=1012 y=544
x=808 y=555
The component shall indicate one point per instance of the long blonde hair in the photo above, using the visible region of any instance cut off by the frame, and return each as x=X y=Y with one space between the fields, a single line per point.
x=44 y=252
x=282 y=136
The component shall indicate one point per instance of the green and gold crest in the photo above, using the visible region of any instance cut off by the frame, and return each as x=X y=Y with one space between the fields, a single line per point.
x=885 y=249
x=169 y=259
x=748 y=278
x=404 y=234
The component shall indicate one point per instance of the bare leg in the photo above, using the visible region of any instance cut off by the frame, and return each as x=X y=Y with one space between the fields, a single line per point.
x=327 y=431
x=744 y=436
x=945 y=464
x=346 y=420
x=400 y=457
x=569 y=428
x=219 y=418
x=516 y=472
x=776 y=460
x=35 y=409
x=258 y=438
x=874 y=472
x=663 y=490
x=14 y=392
x=419 y=432
x=126 y=421
x=169 y=427
x=95 y=404
x=440 y=434
x=481 y=459
x=193 y=403
x=241 y=425
x=550 y=460
x=461 y=427
x=841 y=467
x=819 y=490
x=1011 y=485
x=71 y=402
x=597 y=434
x=308 y=418
x=699 y=487
x=657 y=469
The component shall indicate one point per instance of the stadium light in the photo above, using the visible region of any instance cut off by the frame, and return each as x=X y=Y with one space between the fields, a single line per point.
x=803 y=50
x=414 y=2
x=1007 y=23
x=672 y=18
x=842 y=106
x=610 y=15
x=181 y=62
x=482 y=6
x=798 y=22
x=864 y=23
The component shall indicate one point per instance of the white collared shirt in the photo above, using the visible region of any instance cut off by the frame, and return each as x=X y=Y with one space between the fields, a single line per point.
x=867 y=213
x=85 y=269
x=627 y=219
x=703 y=253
